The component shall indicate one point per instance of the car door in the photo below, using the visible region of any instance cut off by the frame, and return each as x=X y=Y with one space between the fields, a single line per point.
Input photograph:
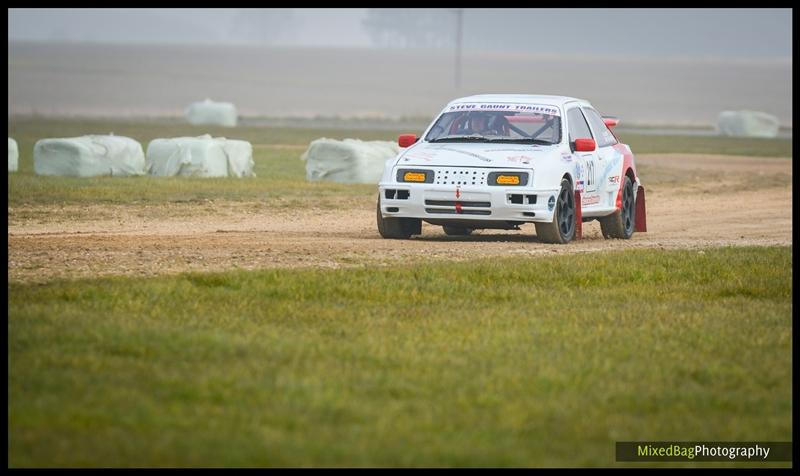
x=609 y=160
x=579 y=129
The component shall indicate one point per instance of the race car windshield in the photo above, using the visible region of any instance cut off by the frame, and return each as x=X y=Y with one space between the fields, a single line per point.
x=496 y=126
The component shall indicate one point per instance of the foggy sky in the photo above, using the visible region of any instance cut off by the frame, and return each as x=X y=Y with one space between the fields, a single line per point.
x=687 y=33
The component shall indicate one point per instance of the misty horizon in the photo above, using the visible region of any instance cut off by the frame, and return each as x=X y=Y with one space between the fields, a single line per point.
x=657 y=66
x=716 y=34
x=125 y=81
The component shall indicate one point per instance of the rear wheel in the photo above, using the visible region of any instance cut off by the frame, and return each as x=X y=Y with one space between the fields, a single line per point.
x=398 y=228
x=562 y=228
x=621 y=223
x=457 y=230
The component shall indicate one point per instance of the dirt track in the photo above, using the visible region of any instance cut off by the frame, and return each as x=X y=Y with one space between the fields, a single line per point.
x=693 y=201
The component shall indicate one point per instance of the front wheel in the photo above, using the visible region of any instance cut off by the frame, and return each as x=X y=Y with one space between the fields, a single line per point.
x=398 y=228
x=621 y=223
x=456 y=230
x=562 y=229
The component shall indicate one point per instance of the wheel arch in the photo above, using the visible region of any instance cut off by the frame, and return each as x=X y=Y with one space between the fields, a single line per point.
x=630 y=173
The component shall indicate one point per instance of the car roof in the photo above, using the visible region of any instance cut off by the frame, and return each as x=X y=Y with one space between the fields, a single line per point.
x=521 y=98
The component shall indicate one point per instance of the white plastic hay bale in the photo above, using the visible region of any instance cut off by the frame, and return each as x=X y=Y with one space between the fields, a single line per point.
x=13 y=155
x=203 y=156
x=89 y=156
x=348 y=160
x=747 y=124
x=240 y=157
x=213 y=113
x=186 y=157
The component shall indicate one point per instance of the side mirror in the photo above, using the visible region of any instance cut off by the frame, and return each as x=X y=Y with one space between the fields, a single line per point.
x=406 y=140
x=610 y=121
x=585 y=145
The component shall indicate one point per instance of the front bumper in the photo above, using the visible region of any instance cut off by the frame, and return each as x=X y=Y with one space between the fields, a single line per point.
x=466 y=202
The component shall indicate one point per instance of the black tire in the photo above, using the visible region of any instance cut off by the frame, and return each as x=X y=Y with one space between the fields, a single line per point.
x=398 y=228
x=456 y=230
x=622 y=223
x=562 y=229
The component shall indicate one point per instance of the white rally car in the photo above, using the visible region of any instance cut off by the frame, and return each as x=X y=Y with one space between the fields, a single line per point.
x=499 y=161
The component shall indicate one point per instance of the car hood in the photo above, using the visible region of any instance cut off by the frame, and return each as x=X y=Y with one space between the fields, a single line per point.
x=476 y=155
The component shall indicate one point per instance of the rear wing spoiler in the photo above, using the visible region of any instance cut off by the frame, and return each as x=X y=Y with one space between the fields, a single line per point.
x=610 y=121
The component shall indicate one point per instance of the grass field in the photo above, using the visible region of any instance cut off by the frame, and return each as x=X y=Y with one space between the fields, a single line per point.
x=654 y=144
x=510 y=362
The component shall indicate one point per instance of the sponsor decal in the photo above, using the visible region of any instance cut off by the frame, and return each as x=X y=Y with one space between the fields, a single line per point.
x=531 y=108
x=590 y=200
x=523 y=159
x=421 y=155
x=614 y=164
x=578 y=171
x=579 y=186
x=567 y=157
x=511 y=149
x=614 y=179
x=485 y=159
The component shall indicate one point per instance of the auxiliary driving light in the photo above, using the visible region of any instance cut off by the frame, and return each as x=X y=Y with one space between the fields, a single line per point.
x=414 y=176
x=508 y=179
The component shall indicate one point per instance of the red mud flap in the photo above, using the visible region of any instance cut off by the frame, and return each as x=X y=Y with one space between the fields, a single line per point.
x=641 y=211
x=578 y=216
